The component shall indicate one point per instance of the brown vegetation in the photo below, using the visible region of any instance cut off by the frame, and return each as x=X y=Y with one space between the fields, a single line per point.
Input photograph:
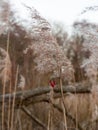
x=29 y=58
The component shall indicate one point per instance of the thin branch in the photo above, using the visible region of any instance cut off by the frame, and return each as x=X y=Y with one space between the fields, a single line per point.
x=27 y=112
x=67 y=114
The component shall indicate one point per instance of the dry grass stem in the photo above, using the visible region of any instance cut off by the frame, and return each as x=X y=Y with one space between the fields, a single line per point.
x=4 y=82
x=13 y=103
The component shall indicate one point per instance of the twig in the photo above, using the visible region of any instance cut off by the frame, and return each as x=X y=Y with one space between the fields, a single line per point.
x=33 y=117
x=68 y=115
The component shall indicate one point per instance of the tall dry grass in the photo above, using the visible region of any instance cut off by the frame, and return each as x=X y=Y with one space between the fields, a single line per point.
x=5 y=74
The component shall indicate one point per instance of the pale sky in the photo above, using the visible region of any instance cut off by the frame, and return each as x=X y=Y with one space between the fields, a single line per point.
x=65 y=11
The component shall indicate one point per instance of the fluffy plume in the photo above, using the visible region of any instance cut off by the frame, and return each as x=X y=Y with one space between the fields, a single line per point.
x=90 y=33
x=5 y=66
x=4 y=15
x=21 y=83
x=49 y=56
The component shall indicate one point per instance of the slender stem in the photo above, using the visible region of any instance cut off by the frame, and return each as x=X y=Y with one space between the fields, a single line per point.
x=48 y=127
x=76 y=115
x=18 y=111
x=63 y=103
x=4 y=83
x=13 y=103
x=50 y=122
x=9 y=108
x=18 y=120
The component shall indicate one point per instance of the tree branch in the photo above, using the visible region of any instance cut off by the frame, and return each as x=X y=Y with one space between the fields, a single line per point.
x=33 y=117
x=24 y=98
x=67 y=114
x=40 y=94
